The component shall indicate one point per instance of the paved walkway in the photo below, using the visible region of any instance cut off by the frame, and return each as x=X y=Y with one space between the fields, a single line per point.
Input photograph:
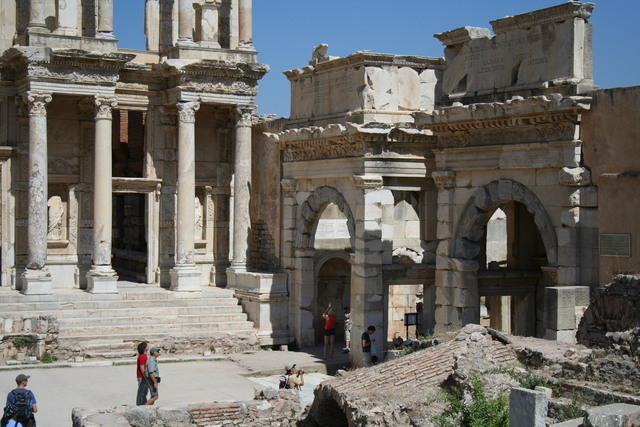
x=59 y=390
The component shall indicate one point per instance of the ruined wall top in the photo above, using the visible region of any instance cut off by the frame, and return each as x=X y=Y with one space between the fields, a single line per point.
x=361 y=87
x=534 y=53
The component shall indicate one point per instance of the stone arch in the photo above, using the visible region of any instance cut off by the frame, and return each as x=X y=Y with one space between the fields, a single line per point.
x=481 y=206
x=310 y=211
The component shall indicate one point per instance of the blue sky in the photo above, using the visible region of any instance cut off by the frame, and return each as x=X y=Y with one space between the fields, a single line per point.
x=286 y=30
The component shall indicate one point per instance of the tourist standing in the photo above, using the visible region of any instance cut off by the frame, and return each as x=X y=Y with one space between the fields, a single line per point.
x=153 y=374
x=347 y=330
x=141 y=374
x=21 y=405
x=366 y=344
x=329 y=331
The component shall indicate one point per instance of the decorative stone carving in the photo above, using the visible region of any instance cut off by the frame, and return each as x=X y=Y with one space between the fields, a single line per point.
x=289 y=185
x=368 y=181
x=104 y=107
x=56 y=218
x=199 y=219
x=444 y=179
x=187 y=111
x=244 y=117
x=37 y=103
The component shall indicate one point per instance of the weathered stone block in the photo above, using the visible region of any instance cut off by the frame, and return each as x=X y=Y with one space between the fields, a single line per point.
x=574 y=176
x=584 y=197
x=527 y=408
x=616 y=415
x=443 y=248
x=444 y=230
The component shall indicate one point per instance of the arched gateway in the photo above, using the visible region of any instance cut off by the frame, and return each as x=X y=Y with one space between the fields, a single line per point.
x=472 y=282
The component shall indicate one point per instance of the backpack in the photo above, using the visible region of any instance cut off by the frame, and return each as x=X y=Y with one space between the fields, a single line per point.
x=20 y=409
x=284 y=381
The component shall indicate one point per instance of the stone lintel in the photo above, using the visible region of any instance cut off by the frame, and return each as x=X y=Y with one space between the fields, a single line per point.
x=558 y=13
x=516 y=111
x=462 y=35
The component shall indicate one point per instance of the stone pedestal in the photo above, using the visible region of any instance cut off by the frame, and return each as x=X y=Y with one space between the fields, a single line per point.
x=265 y=299
x=36 y=282
x=185 y=278
x=102 y=279
x=564 y=306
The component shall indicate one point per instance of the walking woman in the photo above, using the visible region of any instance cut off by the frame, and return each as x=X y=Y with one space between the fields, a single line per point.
x=141 y=371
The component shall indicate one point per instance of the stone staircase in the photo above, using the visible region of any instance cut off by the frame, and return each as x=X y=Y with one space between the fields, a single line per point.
x=109 y=326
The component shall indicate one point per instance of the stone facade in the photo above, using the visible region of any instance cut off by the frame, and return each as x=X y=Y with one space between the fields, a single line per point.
x=92 y=134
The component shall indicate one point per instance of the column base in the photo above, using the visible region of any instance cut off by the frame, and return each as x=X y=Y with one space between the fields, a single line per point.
x=105 y=35
x=186 y=42
x=185 y=278
x=237 y=268
x=102 y=279
x=36 y=282
x=246 y=46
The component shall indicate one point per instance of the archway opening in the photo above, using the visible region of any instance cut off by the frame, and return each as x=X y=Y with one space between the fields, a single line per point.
x=510 y=277
x=333 y=290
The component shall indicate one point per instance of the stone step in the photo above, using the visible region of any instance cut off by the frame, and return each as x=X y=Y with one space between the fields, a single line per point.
x=114 y=304
x=67 y=331
x=144 y=318
x=155 y=336
x=146 y=311
x=123 y=354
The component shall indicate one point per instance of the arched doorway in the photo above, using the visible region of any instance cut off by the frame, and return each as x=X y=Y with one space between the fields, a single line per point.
x=333 y=287
x=512 y=288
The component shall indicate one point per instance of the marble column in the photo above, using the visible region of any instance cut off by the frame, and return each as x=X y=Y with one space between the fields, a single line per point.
x=185 y=276
x=185 y=21
x=241 y=190
x=36 y=13
x=246 y=24
x=102 y=279
x=105 y=19
x=36 y=279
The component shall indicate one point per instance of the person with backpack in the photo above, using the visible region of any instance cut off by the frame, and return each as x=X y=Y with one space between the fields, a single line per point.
x=293 y=378
x=21 y=405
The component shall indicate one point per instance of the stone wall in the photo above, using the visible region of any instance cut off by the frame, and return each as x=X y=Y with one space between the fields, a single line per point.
x=27 y=338
x=610 y=133
x=280 y=408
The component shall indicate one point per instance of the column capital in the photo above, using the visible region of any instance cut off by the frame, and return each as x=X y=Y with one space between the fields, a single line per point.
x=187 y=111
x=444 y=179
x=368 y=181
x=244 y=116
x=36 y=102
x=104 y=106
x=288 y=185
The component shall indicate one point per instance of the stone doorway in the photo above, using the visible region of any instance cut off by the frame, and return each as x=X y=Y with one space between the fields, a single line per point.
x=333 y=286
x=129 y=241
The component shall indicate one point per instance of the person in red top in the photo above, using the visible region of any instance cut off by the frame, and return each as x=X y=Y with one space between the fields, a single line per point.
x=141 y=369
x=329 y=331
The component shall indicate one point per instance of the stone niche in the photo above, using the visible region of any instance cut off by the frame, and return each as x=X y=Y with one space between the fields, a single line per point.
x=527 y=51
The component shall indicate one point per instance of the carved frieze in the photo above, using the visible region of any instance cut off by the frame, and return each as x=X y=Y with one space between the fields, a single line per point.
x=368 y=181
x=323 y=149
